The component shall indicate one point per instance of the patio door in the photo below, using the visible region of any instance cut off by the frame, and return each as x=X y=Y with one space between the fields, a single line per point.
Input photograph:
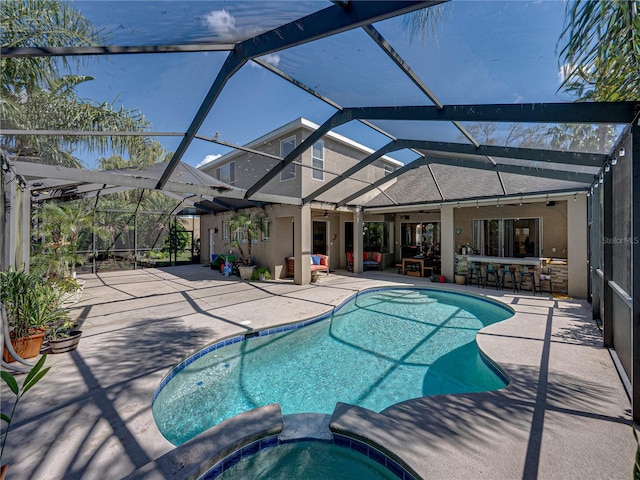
x=348 y=236
x=319 y=238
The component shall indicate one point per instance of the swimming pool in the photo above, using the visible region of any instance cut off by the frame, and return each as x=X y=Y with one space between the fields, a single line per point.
x=379 y=348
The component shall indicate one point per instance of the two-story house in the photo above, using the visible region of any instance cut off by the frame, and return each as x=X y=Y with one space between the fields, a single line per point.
x=328 y=231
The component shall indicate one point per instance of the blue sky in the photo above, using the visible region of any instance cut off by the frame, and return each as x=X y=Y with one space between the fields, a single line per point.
x=482 y=52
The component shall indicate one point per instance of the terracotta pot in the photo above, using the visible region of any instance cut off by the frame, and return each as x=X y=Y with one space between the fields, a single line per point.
x=460 y=279
x=26 y=347
x=62 y=345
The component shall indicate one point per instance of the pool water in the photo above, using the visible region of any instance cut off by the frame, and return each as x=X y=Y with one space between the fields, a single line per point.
x=380 y=348
x=308 y=461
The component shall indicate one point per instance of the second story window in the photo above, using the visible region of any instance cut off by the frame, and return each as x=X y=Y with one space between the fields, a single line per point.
x=225 y=230
x=286 y=147
x=317 y=160
x=226 y=173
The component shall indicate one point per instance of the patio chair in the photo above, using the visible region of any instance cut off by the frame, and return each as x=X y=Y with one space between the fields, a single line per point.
x=508 y=272
x=528 y=275
x=475 y=271
x=493 y=275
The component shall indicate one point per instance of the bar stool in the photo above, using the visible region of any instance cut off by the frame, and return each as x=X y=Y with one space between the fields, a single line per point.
x=526 y=273
x=507 y=272
x=546 y=277
x=494 y=274
x=475 y=270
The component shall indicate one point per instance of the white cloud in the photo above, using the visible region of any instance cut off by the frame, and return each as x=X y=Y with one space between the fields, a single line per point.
x=208 y=159
x=222 y=23
x=271 y=58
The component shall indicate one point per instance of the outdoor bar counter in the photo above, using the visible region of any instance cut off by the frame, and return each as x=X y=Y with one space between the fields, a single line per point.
x=556 y=268
x=532 y=261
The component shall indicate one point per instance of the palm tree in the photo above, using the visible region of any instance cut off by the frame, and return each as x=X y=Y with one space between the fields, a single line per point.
x=246 y=226
x=63 y=228
x=35 y=94
x=40 y=23
x=600 y=54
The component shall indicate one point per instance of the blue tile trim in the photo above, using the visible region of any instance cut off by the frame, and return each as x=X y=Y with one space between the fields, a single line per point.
x=339 y=440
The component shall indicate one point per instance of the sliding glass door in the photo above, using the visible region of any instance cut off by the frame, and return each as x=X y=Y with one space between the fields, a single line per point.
x=507 y=237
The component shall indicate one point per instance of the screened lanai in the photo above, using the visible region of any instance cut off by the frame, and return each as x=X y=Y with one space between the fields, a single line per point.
x=467 y=95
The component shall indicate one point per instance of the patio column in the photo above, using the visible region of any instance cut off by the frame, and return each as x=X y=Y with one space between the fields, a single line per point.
x=358 y=240
x=447 y=242
x=302 y=246
x=577 y=246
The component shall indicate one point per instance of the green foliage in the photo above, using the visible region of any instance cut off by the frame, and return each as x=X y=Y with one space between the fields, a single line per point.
x=178 y=239
x=60 y=329
x=375 y=237
x=261 y=272
x=600 y=52
x=61 y=229
x=30 y=302
x=32 y=378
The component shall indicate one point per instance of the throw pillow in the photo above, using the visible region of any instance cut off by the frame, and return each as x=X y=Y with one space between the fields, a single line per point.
x=315 y=259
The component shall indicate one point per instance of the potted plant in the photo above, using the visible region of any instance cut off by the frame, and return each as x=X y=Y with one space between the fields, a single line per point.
x=33 y=377
x=460 y=278
x=31 y=304
x=63 y=337
x=246 y=226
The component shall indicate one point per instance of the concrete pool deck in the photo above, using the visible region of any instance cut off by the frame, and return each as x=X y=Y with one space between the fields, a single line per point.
x=564 y=415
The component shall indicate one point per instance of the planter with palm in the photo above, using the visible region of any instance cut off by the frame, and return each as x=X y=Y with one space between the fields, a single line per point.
x=246 y=226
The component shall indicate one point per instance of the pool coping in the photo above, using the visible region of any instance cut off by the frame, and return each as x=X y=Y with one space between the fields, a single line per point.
x=193 y=458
